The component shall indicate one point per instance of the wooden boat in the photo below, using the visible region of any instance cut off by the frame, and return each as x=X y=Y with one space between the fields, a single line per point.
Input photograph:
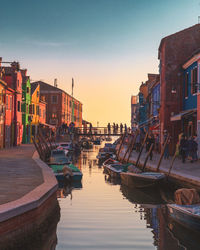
x=58 y=156
x=114 y=169
x=72 y=170
x=186 y=215
x=141 y=180
x=108 y=162
x=148 y=196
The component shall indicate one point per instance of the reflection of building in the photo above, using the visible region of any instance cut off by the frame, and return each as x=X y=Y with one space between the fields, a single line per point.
x=60 y=106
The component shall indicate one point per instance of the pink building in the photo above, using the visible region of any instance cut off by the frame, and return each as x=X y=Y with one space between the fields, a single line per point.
x=13 y=77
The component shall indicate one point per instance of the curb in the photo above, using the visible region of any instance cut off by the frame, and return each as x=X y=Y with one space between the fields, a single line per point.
x=34 y=198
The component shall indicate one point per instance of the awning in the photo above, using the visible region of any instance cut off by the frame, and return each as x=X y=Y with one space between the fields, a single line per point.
x=48 y=125
x=178 y=117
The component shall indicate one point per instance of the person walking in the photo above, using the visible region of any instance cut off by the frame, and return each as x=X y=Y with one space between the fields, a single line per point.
x=150 y=141
x=183 y=147
x=121 y=128
x=108 y=128
x=192 y=149
x=125 y=127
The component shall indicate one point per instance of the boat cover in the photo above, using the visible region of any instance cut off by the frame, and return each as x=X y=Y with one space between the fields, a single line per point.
x=186 y=196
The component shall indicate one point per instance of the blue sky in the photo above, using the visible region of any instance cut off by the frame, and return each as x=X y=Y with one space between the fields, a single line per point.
x=108 y=46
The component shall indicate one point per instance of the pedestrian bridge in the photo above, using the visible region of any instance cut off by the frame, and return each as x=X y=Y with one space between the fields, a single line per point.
x=98 y=131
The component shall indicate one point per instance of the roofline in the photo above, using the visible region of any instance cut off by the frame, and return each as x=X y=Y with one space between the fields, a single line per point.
x=176 y=33
x=58 y=90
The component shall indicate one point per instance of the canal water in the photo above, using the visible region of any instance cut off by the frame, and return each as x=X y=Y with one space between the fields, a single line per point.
x=101 y=214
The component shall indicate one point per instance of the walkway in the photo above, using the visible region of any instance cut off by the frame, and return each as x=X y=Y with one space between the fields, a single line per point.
x=189 y=173
x=19 y=173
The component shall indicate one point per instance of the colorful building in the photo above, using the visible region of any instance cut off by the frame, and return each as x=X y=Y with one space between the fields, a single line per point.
x=174 y=50
x=61 y=107
x=26 y=102
x=34 y=109
x=13 y=77
x=134 y=112
x=2 y=112
x=9 y=118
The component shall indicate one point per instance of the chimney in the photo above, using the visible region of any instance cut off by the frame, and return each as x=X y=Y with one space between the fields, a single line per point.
x=55 y=83
x=24 y=72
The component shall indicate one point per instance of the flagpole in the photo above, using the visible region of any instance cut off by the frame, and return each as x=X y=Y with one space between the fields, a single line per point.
x=72 y=100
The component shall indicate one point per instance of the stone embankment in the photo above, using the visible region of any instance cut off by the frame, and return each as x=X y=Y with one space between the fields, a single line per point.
x=185 y=174
x=28 y=202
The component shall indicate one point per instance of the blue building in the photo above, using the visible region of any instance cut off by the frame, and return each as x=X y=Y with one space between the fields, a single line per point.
x=188 y=115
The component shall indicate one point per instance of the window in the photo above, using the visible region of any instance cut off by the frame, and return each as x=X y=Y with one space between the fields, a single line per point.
x=27 y=108
x=27 y=90
x=194 y=81
x=37 y=93
x=10 y=102
x=37 y=110
x=6 y=102
x=18 y=106
x=33 y=109
x=186 y=84
x=54 y=99
x=40 y=112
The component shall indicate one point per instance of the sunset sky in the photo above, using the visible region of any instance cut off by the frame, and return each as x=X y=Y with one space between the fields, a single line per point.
x=107 y=46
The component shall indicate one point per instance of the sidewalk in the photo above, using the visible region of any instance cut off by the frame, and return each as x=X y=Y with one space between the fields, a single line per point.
x=185 y=173
x=19 y=173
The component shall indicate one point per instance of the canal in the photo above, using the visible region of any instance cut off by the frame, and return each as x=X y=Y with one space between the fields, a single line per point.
x=101 y=214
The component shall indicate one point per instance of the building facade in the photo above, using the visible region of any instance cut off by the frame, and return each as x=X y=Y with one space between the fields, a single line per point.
x=61 y=107
x=2 y=112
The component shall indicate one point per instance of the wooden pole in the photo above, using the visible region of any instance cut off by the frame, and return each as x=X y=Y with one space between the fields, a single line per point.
x=128 y=147
x=147 y=157
x=132 y=146
x=121 y=143
x=141 y=149
x=162 y=153
x=171 y=165
x=37 y=148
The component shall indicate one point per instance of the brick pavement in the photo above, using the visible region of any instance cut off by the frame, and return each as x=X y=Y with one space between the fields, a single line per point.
x=19 y=173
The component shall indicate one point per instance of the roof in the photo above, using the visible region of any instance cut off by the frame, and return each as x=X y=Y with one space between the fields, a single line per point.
x=34 y=87
x=49 y=87
x=165 y=39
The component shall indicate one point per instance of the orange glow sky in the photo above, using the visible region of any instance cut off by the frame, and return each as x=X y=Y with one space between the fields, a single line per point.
x=107 y=46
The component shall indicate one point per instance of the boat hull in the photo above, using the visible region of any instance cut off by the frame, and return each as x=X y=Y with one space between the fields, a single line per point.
x=75 y=177
x=185 y=218
x=139 y=180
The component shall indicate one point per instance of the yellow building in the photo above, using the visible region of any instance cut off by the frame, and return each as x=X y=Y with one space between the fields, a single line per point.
x=34 y=109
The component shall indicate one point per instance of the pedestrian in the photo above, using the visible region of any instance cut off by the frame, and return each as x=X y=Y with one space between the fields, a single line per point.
x=137 y=143
x=150 y=141
x=183 y=147
x=121 y=128
x=113 y=128
x=125 y=127
x=108 y=128
x=90 y=128
x=117 y=128
x=192 y=149
x=157 y=142
x=166 y=152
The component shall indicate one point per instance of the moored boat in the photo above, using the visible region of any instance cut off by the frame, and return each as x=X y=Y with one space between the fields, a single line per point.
x=60 y=172
x=186 y=215
x=142 y=180
x=114 y=169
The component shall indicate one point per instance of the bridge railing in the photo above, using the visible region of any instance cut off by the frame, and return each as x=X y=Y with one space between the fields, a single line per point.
x=99 y=131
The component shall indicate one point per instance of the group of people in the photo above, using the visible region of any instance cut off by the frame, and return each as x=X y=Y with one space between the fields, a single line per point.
x=188 y=148
x=116 y=127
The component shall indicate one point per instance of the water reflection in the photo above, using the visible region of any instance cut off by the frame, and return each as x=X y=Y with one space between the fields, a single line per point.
x=107 y=215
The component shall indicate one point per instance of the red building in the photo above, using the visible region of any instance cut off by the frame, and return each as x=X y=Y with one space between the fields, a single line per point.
x=174 y=50
x=9 y=118
x=13 y=77
x=61 y=107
